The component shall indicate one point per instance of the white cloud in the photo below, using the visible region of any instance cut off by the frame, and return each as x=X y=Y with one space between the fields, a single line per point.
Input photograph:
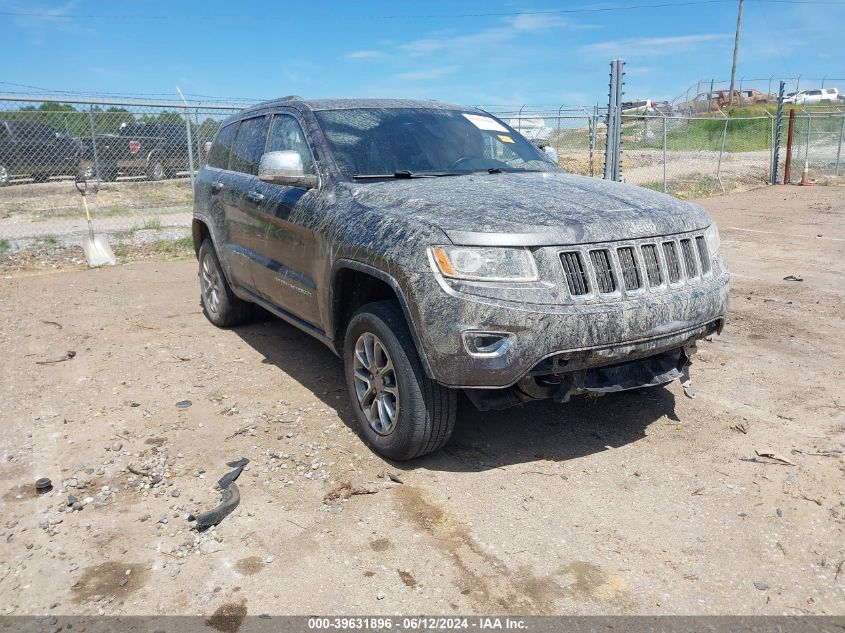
x=369 y=54
x=429 y=73
x=653 y=45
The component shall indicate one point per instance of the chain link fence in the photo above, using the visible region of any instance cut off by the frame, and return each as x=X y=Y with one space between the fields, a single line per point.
x=138 y=154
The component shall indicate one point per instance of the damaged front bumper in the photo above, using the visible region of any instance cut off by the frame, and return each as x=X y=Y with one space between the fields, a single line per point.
x=560 y=351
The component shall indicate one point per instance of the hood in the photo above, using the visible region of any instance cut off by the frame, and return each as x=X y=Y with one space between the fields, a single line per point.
x=532 y=209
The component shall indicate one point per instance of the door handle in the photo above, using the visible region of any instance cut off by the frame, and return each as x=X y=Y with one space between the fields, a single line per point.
x=254 y=196
x=217 y=186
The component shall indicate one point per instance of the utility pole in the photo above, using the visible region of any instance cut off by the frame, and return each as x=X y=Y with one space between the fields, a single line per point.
x=736 y=54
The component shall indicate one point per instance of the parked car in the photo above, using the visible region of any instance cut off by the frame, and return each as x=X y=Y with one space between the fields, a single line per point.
x=808 y=97
x=154 y=150
x=435 y=249
x=35 y=150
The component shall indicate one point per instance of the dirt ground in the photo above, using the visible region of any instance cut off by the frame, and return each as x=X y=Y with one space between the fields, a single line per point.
x=645 y=502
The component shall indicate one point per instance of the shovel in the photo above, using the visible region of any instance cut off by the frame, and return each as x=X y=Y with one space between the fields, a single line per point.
x=96 y=247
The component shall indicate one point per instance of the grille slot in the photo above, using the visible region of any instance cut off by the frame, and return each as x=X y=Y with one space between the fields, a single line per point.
x=652 y=265
x=673 y=266
x=576 y=275
x=604 y=271
x=630 y=272
x=689 y=258
x=703 y=255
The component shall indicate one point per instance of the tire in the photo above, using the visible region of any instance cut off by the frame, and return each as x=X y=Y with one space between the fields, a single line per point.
x=5 y=177
x=108 y=173
x=219 y=303
x=424 y=412
x=155 y=169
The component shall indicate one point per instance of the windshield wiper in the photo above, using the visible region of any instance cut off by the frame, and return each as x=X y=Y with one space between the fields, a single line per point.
x=404 y=173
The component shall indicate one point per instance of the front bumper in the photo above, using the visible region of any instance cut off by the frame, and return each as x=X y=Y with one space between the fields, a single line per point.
x=552 y=339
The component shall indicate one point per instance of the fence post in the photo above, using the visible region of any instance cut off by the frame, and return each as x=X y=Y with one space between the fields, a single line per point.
x=94 y=144
x=839 y=151
x=787 y=165
x=190 y=141
x=777 y=132
x=609 y=152
x=665 y=190
x=519 y=119
x=722 y=151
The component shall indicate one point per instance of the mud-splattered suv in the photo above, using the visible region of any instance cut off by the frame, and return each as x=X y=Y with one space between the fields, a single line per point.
x=434 y=249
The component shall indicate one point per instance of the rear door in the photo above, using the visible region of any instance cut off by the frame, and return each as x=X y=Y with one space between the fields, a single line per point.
x=240 y=196
x=285 y=272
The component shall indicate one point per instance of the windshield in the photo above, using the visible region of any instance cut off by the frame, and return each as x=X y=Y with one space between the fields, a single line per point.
x=387 y=141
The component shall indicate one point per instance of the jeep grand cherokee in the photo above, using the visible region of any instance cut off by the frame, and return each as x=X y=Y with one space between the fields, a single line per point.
x=434 y=249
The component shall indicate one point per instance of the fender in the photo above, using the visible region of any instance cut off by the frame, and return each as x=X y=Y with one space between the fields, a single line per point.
x=351 y=264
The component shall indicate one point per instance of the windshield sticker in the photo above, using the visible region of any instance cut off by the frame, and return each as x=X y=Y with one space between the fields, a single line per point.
x=505 y=138
x=484 y=122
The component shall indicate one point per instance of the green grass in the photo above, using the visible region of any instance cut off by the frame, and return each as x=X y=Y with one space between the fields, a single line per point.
x=181 y=247
x=52 y=240
x=152 y=223
x=125 y=233
x=5 y=246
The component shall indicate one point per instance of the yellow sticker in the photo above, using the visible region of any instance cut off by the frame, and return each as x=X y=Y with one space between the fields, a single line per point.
x=505 y=138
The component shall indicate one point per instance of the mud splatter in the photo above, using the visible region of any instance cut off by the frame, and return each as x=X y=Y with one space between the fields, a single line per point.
x=407 y=578
x=109 y=579
x=155 y=441
x=228 y=617
x=380 y=545
x=249 y=566
x=369 y=574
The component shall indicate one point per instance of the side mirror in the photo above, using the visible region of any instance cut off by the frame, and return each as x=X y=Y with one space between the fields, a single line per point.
x=285 y=168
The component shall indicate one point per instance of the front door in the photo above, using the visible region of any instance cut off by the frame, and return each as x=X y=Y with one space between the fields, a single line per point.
x=285 y=271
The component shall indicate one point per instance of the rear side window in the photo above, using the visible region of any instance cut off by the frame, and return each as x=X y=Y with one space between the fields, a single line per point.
x=218 y=156
x=249 y=145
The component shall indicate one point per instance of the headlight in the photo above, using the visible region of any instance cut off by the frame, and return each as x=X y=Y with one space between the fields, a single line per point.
x=711 y=234
x=482 y=263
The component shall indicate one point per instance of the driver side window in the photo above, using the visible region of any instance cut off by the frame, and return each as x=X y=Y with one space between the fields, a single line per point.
x=287 y=134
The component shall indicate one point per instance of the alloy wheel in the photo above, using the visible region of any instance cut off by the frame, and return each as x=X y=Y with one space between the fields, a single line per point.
x=210 y=280
x=375 y=384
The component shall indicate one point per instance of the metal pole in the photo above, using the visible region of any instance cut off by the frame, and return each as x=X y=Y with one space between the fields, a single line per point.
x=611 y=122
x=710 y=97
x=664 y=154
x=190 y=141
x=839 y=151
x=722 y=151
x=519 y=119
x=787 y=165
x=617 y=166
x=94 y=144
x=777 y=133
x=736 y=54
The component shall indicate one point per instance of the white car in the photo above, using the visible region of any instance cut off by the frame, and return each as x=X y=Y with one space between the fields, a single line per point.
x=808 y=97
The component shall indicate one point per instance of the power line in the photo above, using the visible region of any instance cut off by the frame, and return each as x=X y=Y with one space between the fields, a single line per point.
x=579 y=10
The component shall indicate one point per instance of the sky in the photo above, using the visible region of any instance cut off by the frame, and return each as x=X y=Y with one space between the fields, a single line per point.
x=539 y=52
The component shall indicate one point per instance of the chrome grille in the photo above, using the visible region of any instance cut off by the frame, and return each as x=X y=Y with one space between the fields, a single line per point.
x=652 y=265
x=576 y=275
x=630 y=272
x=672 y=263
x=604 y=271
x=703 y=255
x=689 y=258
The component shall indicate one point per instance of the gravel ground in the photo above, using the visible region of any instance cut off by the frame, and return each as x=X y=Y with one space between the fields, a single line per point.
x=644 y=502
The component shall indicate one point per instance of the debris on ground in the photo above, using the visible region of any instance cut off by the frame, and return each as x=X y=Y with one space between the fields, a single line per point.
x=43 y=485
x=229 y=477
x=740 y=427
x=776 y=457
x=184 y=404
x=70 y=354
x=793 y=278
x=394 y=478
x=230 y=499
x=345 y=490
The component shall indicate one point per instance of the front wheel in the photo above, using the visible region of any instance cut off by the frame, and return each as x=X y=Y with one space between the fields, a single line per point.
x=4 y=175
x=401 y=413
x=155 y=169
